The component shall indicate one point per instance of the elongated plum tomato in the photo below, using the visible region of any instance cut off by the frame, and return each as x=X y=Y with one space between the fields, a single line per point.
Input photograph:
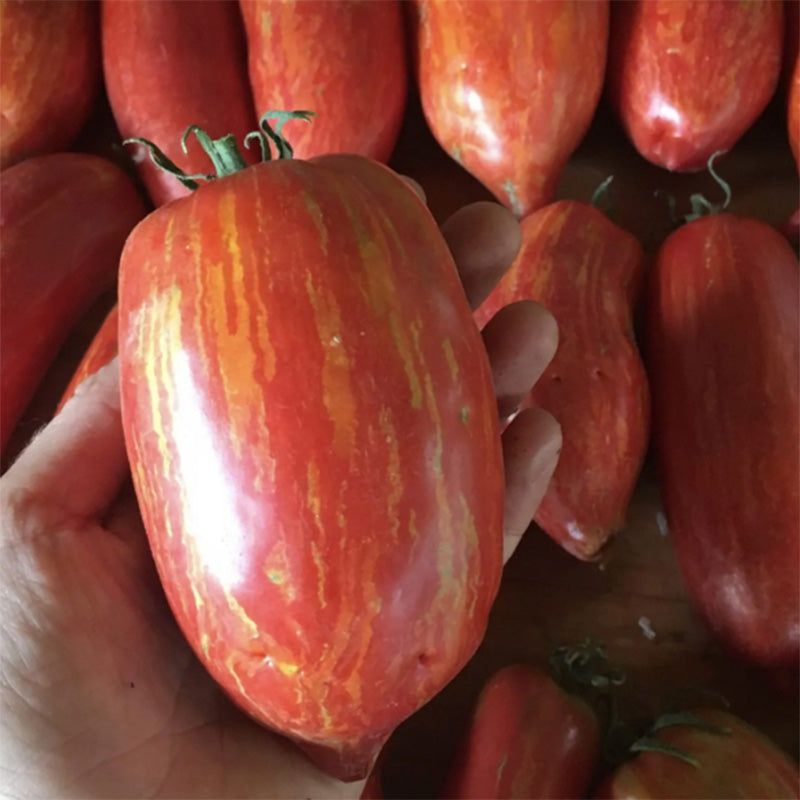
x=507 y=92
x=587 y=272
x=689 y=77
x=723 y=358
x=310 y=419
x=345 y=61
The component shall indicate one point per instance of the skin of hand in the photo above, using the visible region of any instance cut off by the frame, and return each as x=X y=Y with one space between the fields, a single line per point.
x=100 y=695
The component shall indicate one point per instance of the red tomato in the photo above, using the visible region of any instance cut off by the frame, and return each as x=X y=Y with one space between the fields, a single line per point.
x=793 y=114
x=63 y=221
x=345 y=61
x=723 y=357
x=49 y=74
x=170 y=64
x=312 y=429
x=504 y=91
x=527 y=738
x=737 y=761
x=689 y=77
x=100 y=352
x=586 y=271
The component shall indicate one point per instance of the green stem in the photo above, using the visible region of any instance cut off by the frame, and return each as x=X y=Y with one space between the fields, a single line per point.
x=224 y=152
x=702 y=206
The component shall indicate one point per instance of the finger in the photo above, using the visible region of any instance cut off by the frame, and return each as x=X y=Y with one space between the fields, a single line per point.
x=484 y=239
x=78 y=461
x=531 y=446
x=123 y=518
x=521 y=340
x=418 y=190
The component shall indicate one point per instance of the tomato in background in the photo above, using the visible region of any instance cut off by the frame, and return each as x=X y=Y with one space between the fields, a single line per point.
x=64 y=218
x=312 y=429
x=345 y=61
x=49 y=75
x=169 y=64
x=509 y=89
x=587 y=272
x=735 y=760
x=689 y=77
x=723 y=358
x=527 y=738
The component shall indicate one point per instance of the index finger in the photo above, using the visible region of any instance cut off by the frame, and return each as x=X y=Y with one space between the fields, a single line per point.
x=484 y=238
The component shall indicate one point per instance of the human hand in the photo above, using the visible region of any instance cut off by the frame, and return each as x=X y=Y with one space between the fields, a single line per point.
x=100 y=695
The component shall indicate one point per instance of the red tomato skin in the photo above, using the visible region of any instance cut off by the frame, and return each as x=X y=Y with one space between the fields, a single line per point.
x=503 y=91
x=101 y=350
x=527 y=738
x=723 y=357
x=743 y=763
x=689 y=77
x=793 y=113
x=344 y=61
x=169 y=64
x=310 y=420
x=587 y=272
x=64 y=218
x=49 y=75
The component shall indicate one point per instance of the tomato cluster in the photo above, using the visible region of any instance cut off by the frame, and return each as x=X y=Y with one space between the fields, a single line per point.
x=323 y=276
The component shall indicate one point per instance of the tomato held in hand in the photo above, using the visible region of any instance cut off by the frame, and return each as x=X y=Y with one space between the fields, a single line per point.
x=726 y=758
x=723 y=357
x=509 y=88
x=310 y=419
x=586 y=271
x=689 y=77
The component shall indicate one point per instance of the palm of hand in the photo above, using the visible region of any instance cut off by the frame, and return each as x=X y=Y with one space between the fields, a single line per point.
x=122 y=705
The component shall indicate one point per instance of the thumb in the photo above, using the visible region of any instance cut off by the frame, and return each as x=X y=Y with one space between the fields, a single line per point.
x=78 y=461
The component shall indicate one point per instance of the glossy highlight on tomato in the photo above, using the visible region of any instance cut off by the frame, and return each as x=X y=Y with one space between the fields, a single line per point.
x=312 y=429
x=689 y=77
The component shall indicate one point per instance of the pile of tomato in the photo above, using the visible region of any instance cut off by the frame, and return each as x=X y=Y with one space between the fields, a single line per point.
x=318 y=274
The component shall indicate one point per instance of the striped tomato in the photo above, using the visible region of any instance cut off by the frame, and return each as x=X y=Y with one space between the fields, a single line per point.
x=310 y=420
x=346 y=61
x=723 y=359
x=689 y=77
x=527 y=738
x=720 y=756
x=587 y=271
x=506 y=91
x=49 y=75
